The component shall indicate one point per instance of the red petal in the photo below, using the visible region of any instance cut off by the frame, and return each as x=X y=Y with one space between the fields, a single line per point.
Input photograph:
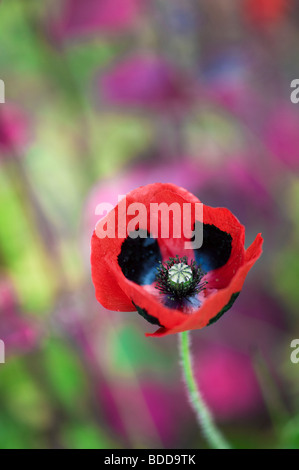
x=107 y=290
x=227 y=222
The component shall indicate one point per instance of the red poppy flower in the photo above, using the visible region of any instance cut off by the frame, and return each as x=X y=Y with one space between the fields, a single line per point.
x=174 y=285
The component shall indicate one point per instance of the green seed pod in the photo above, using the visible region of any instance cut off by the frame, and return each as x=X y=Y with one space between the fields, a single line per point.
x=180 y=275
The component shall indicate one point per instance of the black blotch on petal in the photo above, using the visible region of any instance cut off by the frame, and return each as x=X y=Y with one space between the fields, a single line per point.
x=225 y=309
x=139 y=258
x=186 y=305
x=150 y=318
x=216 y=248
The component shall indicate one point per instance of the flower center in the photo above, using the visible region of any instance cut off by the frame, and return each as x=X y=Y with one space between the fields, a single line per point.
x=179 y=279
x=178 y=274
